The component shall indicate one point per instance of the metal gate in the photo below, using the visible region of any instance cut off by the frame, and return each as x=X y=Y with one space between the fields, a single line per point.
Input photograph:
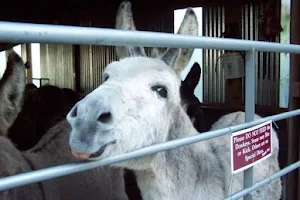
x=56 y=34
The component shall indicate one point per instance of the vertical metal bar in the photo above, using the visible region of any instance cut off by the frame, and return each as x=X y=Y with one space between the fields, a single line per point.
x=29 y=59
x=210 y=53
x=77 y=61
x=249 y=108
x=222 y=52
x=214 y=52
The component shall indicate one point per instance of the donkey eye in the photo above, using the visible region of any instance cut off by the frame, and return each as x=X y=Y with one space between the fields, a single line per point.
x=105 y=77
x=12 y=97
x=161 y=90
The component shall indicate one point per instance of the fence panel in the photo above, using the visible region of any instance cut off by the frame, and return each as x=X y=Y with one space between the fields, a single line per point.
x=18 y=33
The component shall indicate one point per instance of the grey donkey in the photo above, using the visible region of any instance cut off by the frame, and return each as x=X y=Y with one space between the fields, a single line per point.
x=51 y=150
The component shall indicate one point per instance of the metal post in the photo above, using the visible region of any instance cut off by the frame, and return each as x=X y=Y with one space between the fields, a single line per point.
x=249 y=109
x=293 y=179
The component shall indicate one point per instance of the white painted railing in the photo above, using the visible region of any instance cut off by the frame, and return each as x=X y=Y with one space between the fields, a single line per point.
x=56 y=34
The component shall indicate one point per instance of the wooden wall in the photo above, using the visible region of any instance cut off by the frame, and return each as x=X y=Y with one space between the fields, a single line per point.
x=294 y=103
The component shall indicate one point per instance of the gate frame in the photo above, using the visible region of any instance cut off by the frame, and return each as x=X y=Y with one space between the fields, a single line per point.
x=58 y=34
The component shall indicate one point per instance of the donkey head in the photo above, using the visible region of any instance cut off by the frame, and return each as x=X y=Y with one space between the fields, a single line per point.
x=190 y=101
x=12 y=87
x=176 y=58
x=137 y=105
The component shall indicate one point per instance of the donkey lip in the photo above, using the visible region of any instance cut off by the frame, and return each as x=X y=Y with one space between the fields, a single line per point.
x=80 y=155
x=101 y=150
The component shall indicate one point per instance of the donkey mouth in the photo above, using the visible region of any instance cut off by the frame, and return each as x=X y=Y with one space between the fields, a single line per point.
x=93 y=155
x=101 y=150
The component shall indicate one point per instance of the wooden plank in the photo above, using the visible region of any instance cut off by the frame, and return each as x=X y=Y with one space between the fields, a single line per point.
x=233 y=18
x=293 y=179
x=295 y=89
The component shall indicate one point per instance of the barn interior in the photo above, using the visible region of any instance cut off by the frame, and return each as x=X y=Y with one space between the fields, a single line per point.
x=79 y=67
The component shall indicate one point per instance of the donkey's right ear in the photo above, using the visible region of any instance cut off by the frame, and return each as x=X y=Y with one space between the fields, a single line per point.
x=124 y=21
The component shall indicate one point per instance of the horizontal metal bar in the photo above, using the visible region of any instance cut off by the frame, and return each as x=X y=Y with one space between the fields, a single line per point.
x=264 y=181
x=44 y=33
x=62 y=170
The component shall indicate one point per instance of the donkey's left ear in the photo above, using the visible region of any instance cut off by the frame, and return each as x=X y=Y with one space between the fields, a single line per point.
x=124 y=21
x=154 y=53
x=12 y=86
x=179 y=58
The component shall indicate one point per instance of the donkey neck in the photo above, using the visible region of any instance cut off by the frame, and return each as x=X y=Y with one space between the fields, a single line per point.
x=52 y=150
x=11 y=163
x=175 y=174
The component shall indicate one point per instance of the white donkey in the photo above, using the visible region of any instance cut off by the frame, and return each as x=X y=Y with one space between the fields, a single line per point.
x=139 y=105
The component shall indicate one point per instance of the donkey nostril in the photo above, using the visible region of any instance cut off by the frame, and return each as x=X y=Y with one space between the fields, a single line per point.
x=74 y=112
x=105 y=117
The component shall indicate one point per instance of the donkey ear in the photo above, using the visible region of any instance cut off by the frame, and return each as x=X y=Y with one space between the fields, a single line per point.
x=189 y=26
x=124 y=21
x=154 y=53
x=12 y=86
x=192 y=79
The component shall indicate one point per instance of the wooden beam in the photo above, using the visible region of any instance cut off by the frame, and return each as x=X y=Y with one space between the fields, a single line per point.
x=293 y=179
x=76 y=50
x=7 y=46
x=233 y=19
x=295 y=90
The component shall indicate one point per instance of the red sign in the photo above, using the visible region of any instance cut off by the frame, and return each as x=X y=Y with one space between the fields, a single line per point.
x=250 y=146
